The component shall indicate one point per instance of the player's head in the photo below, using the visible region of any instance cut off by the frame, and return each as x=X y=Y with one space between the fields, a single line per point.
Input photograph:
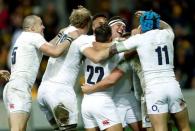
x=80 y=18
x=117 y=25
x=33 y=23
x=149 y=20
x=98 y=19
x=103 y=33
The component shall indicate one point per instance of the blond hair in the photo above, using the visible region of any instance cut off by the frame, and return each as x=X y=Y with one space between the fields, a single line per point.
x=80 y=17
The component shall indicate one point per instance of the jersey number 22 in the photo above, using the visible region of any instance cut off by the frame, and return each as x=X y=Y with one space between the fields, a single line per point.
x=92 y=70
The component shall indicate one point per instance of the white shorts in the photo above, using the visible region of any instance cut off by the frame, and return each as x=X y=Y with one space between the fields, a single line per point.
x=163 y=98
x=145 y=117
x=17 y=96
x=51 y=94
x=99 y=111
x=128 y=108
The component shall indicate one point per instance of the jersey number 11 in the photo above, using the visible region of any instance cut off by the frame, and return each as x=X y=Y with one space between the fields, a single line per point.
x=159 y=51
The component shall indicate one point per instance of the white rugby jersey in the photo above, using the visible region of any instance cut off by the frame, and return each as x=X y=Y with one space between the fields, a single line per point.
x=26 y=56
x=54 y=64
x=133 y=68
x=155 y=50
x=71 y=65
x=136 y=65
x=124 y=85
x=96 y=72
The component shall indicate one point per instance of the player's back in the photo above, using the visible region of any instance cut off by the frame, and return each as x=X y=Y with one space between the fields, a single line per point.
x=71 y=65
x=95 y=72
x=54 y=64
x=124 y=85
x=26 y=56
x=156 y=55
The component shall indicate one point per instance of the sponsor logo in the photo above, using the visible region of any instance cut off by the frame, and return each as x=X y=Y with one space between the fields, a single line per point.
x=155 y=108
x=11 y=106
x=105 y=122
x=147 y=119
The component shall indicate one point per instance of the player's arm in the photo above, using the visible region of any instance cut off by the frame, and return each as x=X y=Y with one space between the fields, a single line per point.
x=129 y=44
x=96 y=55
x=4 y=74
x=107 y=82
x=57 y=50
x=164 y=25
x=59 y=36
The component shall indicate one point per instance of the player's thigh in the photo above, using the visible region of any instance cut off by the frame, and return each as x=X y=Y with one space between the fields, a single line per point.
x=182 y=119
x=18 y=120
x=92 y=129
x=159 y=121
x=116 y=127
x=17 y=96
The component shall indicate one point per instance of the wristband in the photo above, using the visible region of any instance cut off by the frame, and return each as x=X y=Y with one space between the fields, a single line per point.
x=120 y=47
x=70 y=39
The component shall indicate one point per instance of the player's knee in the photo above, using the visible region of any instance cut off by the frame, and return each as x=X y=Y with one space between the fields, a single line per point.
x=61 y=114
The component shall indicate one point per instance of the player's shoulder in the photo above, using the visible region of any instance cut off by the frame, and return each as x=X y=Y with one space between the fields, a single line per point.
x=85 y=38
x=28 y=36
x=69 y=28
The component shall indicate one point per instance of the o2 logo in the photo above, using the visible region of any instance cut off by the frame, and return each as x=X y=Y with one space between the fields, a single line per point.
x=155 y=108
x=147 y=119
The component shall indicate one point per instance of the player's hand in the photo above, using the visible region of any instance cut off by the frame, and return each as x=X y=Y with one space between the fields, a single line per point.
x=4 y=74
x=135 y=31
x=139 y=13
x=86 y=89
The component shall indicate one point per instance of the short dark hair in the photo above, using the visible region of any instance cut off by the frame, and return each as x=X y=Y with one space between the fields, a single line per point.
x=103 y=33
x=99 y=15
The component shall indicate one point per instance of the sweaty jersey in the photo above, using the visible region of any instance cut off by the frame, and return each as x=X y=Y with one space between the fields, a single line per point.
x=54 y=64
x=96 y=72
x=71 y=65
x=124 y=85
x=133 y=67
x=26 y=57
x=155 y=50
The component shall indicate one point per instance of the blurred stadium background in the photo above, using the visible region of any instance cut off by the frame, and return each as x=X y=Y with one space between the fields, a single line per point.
x=180 y=14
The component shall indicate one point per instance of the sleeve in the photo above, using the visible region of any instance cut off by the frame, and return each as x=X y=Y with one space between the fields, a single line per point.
x=137 y=86
x=170 y=32
x=132 y=42
x=39 y=40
